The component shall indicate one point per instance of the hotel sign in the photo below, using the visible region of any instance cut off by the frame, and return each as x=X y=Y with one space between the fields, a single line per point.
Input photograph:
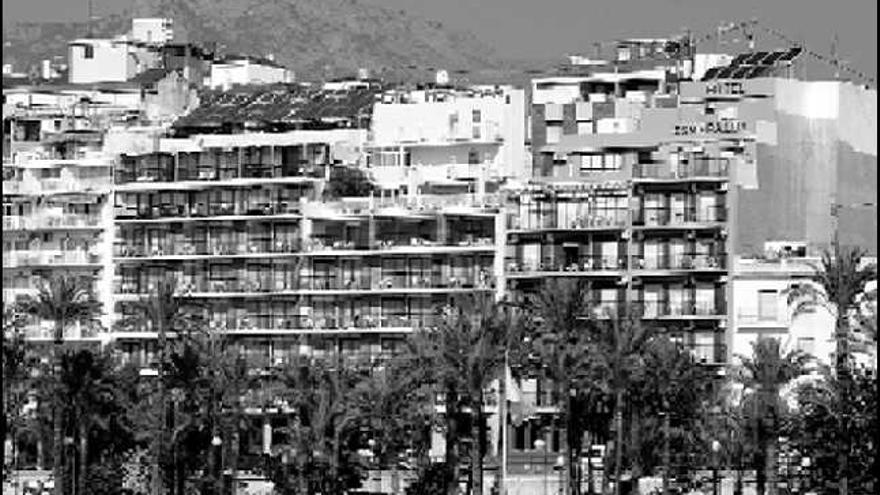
x=717 y=127
x=725 y=88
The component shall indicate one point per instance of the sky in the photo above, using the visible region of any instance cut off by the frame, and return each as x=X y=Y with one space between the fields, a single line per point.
x=549 y=29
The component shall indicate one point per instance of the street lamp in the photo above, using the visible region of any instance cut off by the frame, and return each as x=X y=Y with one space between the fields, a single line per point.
x=216 y=443
x=560 y=464
x=540 y=444
x=805 y=473
x=716 y=449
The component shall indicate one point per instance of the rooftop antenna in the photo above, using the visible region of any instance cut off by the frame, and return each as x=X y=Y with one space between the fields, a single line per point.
x=835 y=59
x=91 y=29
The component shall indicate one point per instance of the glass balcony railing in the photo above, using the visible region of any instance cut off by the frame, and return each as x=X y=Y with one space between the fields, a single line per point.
x=28 y=258
x=661 y=216
x=50 y=222
x=580 y=264
x=680 y=262
x=600 y=220
x=699 y=168
x=661 y=309
x=272 y=282
x=185 y=247
x=51 y=186
x=251 y=322
x=209 y=210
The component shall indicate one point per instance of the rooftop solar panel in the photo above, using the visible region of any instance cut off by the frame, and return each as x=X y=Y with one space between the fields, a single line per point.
x=711 y=73
x=755 y=58
x=740 y=72
x=791 y=54
x=758 y=72
x=725 y=73
x=740 y=58
x=774 y=57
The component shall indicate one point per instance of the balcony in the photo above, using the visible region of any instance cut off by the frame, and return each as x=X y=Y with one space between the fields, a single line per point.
x=237 y=284
x=679 y=217
x=45 y=222
x=702 y=169
x=611 y=219
x=583 y=265
x=186 y=248
x=316 y=323
x=23 y=259
x=57 y=186
x=686 y=262
x=666 y=309
x=202 y=211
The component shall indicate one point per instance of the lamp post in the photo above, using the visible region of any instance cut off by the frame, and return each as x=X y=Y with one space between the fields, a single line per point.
x=216 y=444
x=805 y=473
x=68 y=442
x=560 y=465
x=540 y=444
x=716 y=449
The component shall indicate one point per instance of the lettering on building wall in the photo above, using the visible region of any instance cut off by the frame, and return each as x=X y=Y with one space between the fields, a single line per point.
x=725 y=88
x=719 y=127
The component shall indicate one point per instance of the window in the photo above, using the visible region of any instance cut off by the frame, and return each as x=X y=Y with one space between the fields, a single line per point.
x=89 y=51
x=473 y=157
x=476 y=134
x=806 y=345
x=476 y=116
x=50 y=173
x=554 y=134
x=767 y=304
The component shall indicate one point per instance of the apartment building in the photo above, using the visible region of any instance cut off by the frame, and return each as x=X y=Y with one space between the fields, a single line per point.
x=760 y=285
x=56 y=213
x=439 y=138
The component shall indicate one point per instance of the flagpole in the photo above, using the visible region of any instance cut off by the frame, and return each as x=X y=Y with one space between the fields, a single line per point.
x=503 y=422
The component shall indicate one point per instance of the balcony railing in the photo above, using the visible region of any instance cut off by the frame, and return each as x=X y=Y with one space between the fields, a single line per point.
x=258 y=323
x=50 y=222
x=603 y=220
x=661 y=216
x=581 y=264
x=269 y=284
x=14 y=259
x=680 y=262
x=49 y=186
x=700 y=168
x=184 y=247
x=660 y=309
x=209 y=210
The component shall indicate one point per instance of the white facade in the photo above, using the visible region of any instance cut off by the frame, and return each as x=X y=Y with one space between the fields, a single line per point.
x=246 y=71
x=107 y=60
x=155 y=30
x=760 y=309
x=443 y=135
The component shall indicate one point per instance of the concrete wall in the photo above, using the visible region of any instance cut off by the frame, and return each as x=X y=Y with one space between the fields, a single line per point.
x=825 y=151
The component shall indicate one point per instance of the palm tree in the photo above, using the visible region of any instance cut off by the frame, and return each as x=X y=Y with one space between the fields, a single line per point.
x=164 y=311
x=462 y=357
x=619 y=357
x=563 y=332
x=665 y=403
x=836 y=286
x=63 y=299
x=766 y=372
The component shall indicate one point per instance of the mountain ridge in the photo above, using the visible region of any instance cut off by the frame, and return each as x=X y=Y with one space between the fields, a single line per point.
x=318 y=39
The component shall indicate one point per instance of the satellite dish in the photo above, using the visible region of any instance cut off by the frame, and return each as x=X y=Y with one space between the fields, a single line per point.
x=442 y=77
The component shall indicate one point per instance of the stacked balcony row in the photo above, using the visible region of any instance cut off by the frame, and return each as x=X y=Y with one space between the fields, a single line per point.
x=264 y=200
x=616 y=212
x=223 y=164
x=313 y=314
x=238 y=277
